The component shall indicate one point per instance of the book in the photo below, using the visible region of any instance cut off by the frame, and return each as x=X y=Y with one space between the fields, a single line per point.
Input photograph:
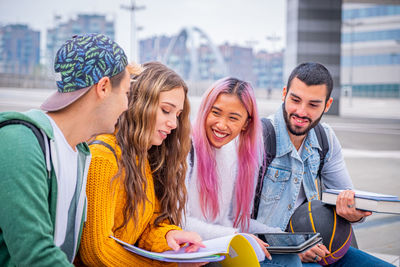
x=233 y=250
x=368 y=201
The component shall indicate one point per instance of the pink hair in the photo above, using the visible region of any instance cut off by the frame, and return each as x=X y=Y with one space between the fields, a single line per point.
x=249 y=151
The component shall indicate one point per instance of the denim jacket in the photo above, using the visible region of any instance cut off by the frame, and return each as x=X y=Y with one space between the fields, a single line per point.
x=289 y=170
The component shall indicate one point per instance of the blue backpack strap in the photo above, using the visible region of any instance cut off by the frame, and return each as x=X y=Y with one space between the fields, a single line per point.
x=323 y=143
x=269 y=139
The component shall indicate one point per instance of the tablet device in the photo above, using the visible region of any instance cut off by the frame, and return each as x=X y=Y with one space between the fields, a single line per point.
x=282 y=243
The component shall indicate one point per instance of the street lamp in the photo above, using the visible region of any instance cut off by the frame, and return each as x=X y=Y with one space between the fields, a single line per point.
x=273 y=39
x=398 y=59
x=352 y=24
x=134 y=42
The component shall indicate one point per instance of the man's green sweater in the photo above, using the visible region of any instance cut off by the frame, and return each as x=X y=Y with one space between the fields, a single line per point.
x=28 y=198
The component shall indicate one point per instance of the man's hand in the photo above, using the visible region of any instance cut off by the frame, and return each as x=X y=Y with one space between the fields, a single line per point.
x=345 y=207
x=314 y=254
x=177 y=237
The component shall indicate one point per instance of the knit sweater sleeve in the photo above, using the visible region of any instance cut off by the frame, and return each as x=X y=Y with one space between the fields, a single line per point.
x=153 y=237
x=97 y=248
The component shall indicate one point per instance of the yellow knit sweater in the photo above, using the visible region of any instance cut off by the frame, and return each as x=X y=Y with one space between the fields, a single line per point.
x=105 y=212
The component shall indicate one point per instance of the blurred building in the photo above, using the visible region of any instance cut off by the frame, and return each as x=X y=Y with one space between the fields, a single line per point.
x=193 y=62
x=19 y=49
x=370 y=59
x=65 y=30
x=262 y=69
x=203 y=62
x=208 y=64
x=313 y=35
x=178 y=57
x=239 y=61
x=268 y=69
x=154 y=48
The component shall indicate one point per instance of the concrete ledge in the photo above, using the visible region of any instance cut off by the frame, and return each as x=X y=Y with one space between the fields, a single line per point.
x=393 y=259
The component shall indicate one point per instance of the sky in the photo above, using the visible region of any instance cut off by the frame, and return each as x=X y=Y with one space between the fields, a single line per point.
x=240 y=22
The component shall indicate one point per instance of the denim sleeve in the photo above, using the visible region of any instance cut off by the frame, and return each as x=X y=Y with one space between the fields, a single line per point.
x=334 y=173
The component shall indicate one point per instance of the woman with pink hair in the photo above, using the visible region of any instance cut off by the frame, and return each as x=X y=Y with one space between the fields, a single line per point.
x=224 y=164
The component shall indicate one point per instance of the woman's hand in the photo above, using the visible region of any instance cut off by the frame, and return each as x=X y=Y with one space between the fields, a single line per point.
x=263 y=246
x=177 y=237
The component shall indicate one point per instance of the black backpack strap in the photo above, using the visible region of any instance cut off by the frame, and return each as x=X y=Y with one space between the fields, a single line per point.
x=99 y=142
x=34 y=129
x=323 y=143
x=42 y=139
x=269 y=139
x=191 y=158
x=191 y=155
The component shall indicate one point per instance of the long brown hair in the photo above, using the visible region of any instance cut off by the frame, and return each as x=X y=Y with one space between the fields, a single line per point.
x=167 y=161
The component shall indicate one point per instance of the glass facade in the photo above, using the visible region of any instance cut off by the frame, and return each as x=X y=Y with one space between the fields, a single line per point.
x=371 y=36
x=368 y=12
x=371 y=60
x=371 y=43
x=375 y=90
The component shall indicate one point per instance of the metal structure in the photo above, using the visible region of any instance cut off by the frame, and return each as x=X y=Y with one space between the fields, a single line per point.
x=190 y=39
x=134 y=29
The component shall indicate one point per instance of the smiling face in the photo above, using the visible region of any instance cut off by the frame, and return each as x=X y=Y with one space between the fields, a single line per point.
x=304 y=106
x=170 y=106
x=226 y=119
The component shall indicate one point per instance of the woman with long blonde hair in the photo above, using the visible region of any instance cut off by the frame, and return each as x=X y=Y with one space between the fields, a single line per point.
x=136 y=182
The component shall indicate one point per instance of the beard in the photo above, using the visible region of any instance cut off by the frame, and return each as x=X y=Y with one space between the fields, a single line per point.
x=294 y=129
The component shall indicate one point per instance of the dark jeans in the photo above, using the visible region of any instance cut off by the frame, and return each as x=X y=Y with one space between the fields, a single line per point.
x=356 y=257
x=353 y=258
